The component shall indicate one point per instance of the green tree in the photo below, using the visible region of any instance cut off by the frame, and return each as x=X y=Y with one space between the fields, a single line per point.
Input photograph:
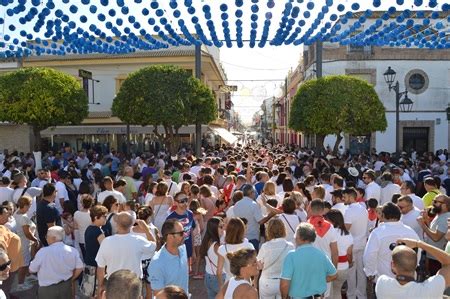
x=334 y=105
x=41 y=98
x=164 y=95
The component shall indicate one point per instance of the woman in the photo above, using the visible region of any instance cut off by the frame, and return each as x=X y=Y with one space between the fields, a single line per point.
x=21 y=188
x=209 y=250
x=279 y=181
x=234 y=240
x=25 y=230
x=288 y=186
x=268 y=194
x=228 y=188
x=160 y=204
x=244 y=266
x=93 y=237
x=112 y=206
x=290 y=218
x=271 y=256
x=85 y=188
x=207 y=201
x=300 y=203
x=186 y=188
x=151 y=191
x=82 y=220
x=144 y=216
x=345 y=248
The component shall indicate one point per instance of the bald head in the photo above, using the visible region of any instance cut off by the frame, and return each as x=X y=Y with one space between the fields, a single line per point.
x=404 y=259
x=124 y=221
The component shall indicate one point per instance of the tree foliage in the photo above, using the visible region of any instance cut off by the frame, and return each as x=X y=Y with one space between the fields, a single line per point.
x=164 y=95
x=41 y=98
x=335 y=105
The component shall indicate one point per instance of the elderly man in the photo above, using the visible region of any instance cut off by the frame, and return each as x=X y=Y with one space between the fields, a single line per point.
x=130 y=188
x=124 y=250
x=123 y=284
x=57 y=266
x=403 y=285
x=306 y=270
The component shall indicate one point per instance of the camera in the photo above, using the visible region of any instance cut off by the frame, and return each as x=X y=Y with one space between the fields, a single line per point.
x=393 y=245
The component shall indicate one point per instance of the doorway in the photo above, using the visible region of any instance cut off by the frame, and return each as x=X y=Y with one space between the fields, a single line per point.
x=416 y=138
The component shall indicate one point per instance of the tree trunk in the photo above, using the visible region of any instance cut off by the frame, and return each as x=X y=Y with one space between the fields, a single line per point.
x=36 y=140
x=336 y=145
x=319 y=144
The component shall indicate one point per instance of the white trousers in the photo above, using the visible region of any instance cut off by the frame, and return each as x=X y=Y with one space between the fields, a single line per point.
x=357 y=281
x=269 y=288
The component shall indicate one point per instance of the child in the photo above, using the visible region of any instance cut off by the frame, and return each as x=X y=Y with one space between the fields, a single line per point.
x=197 y=233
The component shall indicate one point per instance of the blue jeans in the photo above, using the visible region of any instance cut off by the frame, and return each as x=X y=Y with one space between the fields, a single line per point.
x=212 y=285
x=255 y=244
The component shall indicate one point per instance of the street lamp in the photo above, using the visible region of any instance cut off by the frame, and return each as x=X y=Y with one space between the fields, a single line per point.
x=404 y=105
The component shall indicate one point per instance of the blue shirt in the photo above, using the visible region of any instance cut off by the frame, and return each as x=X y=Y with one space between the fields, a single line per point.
x=248 y=208
x=187 y=220
x=168 y=269
x=307 y=268
x=259 y=188
x=46 y=212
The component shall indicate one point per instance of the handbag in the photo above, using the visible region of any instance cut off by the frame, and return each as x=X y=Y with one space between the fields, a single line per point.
x=89 y=281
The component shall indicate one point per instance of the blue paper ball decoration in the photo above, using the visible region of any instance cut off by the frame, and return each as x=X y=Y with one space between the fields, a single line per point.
x=355 y=6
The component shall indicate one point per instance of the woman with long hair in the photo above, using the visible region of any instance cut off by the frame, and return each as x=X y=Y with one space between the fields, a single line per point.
x=243 y=266
x=234 y=240
x=160 y=204
x=268 y=193
x=209 y=250
x=345 y=248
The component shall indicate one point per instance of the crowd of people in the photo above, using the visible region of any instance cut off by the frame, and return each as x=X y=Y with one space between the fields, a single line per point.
x=258 y=221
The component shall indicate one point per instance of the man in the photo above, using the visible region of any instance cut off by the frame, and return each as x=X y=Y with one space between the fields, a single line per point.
x=5 y=266
x=124 y=250
x=173 y=187
x=6 y=192
x=11 y=244
x=407 y=188
x=82 y=161
x=403 y=285
x=432 y=191
x=106 y=168
x=356 y=221
x=377 y=255
x=262 y=177
x=424 y=172
x=249 y=209
x=123 y=284
x=373 y=190
x=410 y=214
x=47 y=215
x=57 y=266
x=389 y=188
x=436 y=230
x=185 y=217
x=130 y=191
x=109 y=190
x=306 y=270
x=325 y=178
x=61 y=190
x=170 y=265
x=338 y=200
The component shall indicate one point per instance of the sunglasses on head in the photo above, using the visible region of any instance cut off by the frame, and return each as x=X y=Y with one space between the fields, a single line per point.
x=5 y=265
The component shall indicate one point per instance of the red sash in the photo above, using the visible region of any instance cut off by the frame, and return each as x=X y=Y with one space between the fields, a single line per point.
x=320 y=225
x=372 y=214
x=343 y=259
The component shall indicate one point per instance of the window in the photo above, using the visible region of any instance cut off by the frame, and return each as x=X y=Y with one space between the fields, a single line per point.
x=416 y=81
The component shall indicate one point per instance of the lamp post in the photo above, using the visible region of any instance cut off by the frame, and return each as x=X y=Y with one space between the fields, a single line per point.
x=404 y=105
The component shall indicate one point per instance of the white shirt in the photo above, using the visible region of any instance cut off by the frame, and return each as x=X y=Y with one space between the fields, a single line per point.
x=373 y=190
x=290 y=221
x=328 y=195
x=377 y=255
x=121 y=251
x=389 y=288
x=323 y=243
x=172 y=187
x=6 y=193
x=32 y=192
x=83 y=220
x=341 y=207
x=343 y=243
x=410 y=219
x=61 y=192
x=55 y=263
x=417 y=201
x=119 y=196
x=387 y=192
x=227 y=248
x=358 y=217
x=377 y=165
x=272 y=254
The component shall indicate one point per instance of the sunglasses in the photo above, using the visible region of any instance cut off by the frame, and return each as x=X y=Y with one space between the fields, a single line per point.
x=183 y=200
x=5 y=265
x=177 y=233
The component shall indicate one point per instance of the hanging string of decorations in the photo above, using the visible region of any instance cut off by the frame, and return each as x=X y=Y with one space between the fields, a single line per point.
x=48 y=27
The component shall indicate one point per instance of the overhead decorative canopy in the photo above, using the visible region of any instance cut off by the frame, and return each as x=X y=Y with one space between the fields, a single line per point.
x=60 y=27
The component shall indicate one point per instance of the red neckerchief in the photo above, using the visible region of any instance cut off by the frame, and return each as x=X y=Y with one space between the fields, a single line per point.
x=360 y=199
x=372 y=214
x=320 y=225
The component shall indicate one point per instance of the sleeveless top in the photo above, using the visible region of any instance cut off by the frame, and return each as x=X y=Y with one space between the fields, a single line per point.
x=233 y=284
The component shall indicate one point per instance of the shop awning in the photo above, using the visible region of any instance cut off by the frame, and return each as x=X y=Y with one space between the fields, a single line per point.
x=226 y=135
